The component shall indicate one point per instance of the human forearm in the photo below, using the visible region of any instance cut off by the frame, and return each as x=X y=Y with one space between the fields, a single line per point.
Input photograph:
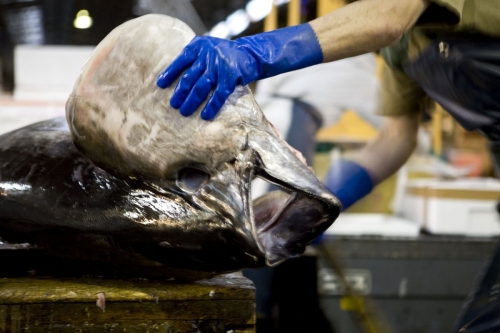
x=365 y=26
x=351 y=180
x=391 y=148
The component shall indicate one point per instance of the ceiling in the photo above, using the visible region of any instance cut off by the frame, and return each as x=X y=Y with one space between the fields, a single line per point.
x=50 y=22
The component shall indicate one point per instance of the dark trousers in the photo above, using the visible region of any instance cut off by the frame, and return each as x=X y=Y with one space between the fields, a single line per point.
x=481 y=312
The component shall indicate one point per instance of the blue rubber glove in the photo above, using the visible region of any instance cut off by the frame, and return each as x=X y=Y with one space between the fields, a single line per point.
x=220 y=65
x=348 y=181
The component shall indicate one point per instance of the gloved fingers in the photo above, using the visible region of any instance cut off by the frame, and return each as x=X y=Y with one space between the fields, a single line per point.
x=217 y=100
x=197 y=95
x=187 y=82
x=187 y=57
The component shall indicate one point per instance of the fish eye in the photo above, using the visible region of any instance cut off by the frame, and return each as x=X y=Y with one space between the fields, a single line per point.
x=191 y=179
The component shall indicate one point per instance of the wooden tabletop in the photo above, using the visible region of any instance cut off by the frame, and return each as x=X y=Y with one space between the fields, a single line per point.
x=224 y=303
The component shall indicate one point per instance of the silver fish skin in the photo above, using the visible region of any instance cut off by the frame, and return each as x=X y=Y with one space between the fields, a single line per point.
x=167 y=189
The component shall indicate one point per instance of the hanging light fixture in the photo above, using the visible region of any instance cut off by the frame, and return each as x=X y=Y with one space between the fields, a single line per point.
x=82 y=20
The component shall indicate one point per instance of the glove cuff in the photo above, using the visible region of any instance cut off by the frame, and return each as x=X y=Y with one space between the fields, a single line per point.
x=348 y=181
x=283 y=50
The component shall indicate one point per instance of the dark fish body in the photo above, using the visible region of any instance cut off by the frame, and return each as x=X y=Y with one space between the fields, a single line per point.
x=53 y=197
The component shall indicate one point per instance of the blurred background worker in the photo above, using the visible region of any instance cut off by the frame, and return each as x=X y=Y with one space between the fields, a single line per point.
x=454 y=67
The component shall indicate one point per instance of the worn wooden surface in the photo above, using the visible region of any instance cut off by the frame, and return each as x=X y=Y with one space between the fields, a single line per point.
x=221 y=304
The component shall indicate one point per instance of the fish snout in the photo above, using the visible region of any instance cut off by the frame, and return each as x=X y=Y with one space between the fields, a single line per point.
x=289 y=220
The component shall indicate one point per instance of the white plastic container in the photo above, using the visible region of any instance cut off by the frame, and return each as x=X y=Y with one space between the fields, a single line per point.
x=363 y=224
x=454 y=207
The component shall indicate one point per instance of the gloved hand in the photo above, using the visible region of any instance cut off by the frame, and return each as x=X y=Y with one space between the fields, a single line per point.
x=220 y=65
x=348 y=181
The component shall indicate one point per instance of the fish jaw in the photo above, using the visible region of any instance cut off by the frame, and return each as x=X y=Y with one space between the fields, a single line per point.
x=287 y=221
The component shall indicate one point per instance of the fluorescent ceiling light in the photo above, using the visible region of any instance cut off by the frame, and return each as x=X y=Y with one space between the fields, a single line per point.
x=258 y=9
x=221 y=30
x=238 y=22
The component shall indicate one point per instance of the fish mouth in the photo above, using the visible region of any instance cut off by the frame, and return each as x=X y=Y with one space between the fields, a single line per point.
x=286 y=221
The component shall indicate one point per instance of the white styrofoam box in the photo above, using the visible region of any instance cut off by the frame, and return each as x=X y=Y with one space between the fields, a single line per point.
x=454 y=207
x=47 y=72
x=17 y=114
x=360 y=224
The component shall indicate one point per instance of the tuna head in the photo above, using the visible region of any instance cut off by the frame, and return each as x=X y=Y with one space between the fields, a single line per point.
x=124 y=123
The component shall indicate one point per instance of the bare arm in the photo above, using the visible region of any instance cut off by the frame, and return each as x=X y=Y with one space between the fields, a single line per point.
x=391 y=148
x=365 y=26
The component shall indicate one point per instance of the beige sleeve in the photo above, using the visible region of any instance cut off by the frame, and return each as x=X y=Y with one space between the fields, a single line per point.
x=440 y=12
x=401 y=95
x=455 y=6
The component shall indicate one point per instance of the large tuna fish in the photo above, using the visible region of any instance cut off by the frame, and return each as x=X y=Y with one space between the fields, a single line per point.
x=136 y=183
